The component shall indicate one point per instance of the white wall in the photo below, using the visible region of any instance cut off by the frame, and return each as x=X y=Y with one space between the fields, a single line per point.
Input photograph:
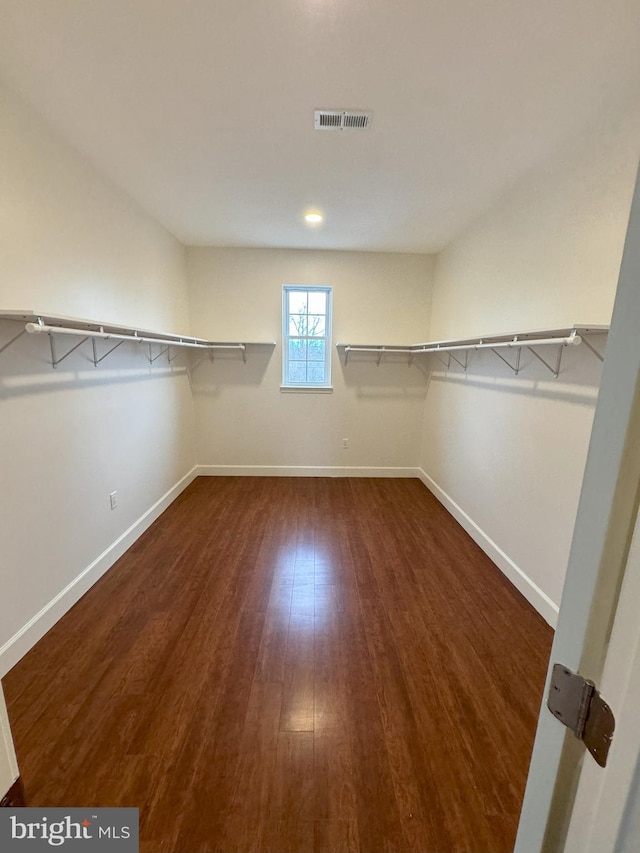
x=71 y=243
x=507 y=453
x=243 y=419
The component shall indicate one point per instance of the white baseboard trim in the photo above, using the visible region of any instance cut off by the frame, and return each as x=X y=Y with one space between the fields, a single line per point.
x=301 y=471
x=9 y=771
x=24 y=639
x=547 y=608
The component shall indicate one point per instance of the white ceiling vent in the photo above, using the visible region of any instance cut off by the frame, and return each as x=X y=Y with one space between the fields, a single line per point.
x=341 y=119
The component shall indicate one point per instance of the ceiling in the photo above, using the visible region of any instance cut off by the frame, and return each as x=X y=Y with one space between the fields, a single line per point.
x=202 y=110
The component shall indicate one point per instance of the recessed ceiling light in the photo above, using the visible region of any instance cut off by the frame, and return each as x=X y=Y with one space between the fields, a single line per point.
x=313 y=218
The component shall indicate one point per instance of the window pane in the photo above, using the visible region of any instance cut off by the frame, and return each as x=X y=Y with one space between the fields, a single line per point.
x=298 y=325
x=315 y=373
x=306 y=330
x=315 y=349
x=297 y=301
x=316 y=324
x=298 y=350
x=317 y=302
x=297 y=371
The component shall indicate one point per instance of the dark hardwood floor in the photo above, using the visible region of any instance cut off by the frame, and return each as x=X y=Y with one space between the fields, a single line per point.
x=291 y=665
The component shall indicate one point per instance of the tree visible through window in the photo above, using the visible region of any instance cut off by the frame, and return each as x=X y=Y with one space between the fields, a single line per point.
x=306 y=336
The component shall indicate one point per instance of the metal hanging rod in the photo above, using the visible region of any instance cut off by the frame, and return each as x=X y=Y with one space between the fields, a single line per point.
x=380 y=350
x=572 y=339
x=38 y=328
x=87 y=333
x=425 y=349
x=561 y=338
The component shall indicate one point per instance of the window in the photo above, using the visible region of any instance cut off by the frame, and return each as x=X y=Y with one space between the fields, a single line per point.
x=306 y=336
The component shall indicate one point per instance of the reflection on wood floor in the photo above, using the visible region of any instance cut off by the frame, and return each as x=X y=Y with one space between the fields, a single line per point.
x=284 y=664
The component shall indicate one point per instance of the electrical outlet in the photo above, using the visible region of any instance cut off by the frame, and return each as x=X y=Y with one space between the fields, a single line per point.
x=113 y=499
x=345 y=442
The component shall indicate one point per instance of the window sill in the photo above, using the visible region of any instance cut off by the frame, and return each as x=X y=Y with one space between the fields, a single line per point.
x=306 y=389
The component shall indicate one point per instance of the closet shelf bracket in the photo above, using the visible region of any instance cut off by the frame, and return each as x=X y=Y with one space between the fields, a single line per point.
x=554 y=370
x=55 y=361
x=463 y=364
x=13 y=340
x=157 y=356
x=590 y=346
x=96 y=359
x=515 y=367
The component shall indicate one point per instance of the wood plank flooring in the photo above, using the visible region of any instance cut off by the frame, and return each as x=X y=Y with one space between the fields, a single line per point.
x=292 y=665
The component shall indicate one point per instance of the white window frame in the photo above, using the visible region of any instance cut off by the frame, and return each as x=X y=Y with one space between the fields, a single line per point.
x=287 y=385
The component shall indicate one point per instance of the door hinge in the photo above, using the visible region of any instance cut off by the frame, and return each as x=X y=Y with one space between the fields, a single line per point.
x=576 y=703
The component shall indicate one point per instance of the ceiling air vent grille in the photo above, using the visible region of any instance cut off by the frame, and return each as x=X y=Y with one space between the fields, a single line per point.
x=341 y=120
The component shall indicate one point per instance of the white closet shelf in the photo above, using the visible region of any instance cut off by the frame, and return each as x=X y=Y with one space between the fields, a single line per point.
x=574 y=335
x=56 y=324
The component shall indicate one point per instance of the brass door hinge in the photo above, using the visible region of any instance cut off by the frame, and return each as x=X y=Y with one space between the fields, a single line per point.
x=576 y=703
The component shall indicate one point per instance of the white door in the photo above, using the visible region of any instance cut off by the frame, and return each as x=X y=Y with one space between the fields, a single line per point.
x=606 y=813
x=589 y=613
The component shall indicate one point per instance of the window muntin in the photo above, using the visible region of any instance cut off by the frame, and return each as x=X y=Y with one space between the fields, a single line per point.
x=306 y=321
